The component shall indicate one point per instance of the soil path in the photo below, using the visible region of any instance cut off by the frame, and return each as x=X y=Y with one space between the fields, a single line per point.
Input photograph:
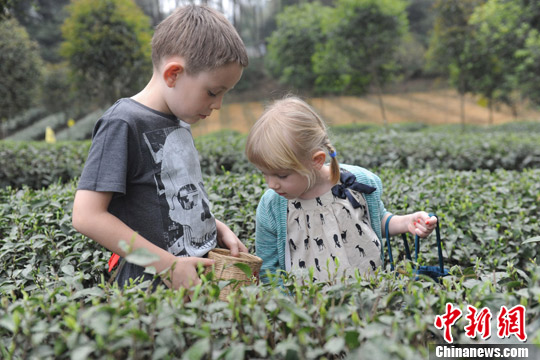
x=433 y=107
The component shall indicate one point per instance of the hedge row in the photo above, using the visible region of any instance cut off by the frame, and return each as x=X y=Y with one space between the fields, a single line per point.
x=82 y=129
x=36 y=131
x=485 y=215
x=37 y=164
x=23 y=120
x=56 y=302
x=498 y=150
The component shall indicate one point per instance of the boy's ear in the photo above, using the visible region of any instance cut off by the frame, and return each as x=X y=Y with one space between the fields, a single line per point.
x=171 y=72
x=318 y=159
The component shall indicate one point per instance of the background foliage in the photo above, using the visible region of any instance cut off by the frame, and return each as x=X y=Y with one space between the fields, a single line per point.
x=409 y=146
x=107 y=42
x=20 y=71
x=57 y=303
x=363 y=35
x=292 y=45
x=485 y=48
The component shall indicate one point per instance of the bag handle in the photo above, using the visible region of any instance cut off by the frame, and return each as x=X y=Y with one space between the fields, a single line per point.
x=416 y=244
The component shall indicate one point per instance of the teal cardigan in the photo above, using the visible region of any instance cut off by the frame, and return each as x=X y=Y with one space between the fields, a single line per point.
x=271 y=220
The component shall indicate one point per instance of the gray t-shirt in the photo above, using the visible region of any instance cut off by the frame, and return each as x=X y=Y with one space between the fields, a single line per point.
x=150 y=163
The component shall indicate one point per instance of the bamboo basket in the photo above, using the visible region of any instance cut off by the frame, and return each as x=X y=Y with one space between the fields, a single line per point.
x=225 y=269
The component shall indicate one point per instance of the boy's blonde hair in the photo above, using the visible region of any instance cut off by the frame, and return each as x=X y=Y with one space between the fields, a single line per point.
x=202 y=36
x=286 y=136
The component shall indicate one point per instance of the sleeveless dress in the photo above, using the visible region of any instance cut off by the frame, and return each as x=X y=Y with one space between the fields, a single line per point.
x=335 y=225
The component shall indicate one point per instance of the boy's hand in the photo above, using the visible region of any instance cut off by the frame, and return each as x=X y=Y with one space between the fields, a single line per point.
x=226 y=238
x=422 y=224
x=183 y=272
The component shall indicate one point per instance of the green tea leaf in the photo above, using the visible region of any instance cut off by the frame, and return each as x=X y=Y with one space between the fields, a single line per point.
x=245 y=268
x=531 y=240
x=198 y=350
x=335 y=345
x=236 y=351
x=82 y=352
x=68 y=270
x=141 y=257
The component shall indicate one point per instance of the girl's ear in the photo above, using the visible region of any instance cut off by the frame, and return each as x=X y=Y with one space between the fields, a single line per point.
x=318 y=159
x=171 y=72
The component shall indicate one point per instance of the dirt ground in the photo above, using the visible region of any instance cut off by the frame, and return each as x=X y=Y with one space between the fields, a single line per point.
x=437 y=106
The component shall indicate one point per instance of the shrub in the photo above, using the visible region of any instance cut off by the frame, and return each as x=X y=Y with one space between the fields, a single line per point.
x=57 y=303
x=405 y=146
x=82 y=129
x=37 y=164
x=36 y=131
x=23 y=120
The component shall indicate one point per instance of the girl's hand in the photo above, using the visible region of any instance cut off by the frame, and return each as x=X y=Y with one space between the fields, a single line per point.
x=422 y=224
x=226 y=238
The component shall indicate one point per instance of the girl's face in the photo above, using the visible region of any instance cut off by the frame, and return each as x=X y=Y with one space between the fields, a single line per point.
x=287 y=183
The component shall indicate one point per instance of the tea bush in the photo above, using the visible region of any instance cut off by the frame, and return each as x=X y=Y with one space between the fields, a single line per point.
x=37 y=164
x=24 y=119
x=57 y=302
x=418 y=150
x=406 y=146
x=82 y=129
x=36 y=131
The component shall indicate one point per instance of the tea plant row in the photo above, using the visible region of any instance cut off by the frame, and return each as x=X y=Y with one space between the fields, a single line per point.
x=57 y=302
x=409 y=146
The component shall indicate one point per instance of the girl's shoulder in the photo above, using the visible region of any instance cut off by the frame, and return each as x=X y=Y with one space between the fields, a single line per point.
x=362 y=174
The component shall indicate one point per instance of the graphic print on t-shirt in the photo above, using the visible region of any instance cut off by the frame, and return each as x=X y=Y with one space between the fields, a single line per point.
x=188 y=225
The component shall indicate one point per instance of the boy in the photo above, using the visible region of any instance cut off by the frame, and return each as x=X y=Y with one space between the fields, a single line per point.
x=142 y=180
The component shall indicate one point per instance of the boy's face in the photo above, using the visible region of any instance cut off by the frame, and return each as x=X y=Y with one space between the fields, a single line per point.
x=194 y=97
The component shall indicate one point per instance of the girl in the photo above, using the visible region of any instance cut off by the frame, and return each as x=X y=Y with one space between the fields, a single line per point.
x=313 y=211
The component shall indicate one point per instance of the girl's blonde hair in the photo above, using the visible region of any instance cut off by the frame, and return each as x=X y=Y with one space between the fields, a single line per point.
x=287 y=135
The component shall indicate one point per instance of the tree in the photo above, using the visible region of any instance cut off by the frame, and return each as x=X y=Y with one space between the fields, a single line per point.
x=528 y=56
x=528 y=69
x=421 y=17
x=362 y=39
x=448 y=43
x=20 y=73
x=57 y=95
x=292 y=44
x=153 y=9
x=489 y=52
x=107 y=45
x=42 y=19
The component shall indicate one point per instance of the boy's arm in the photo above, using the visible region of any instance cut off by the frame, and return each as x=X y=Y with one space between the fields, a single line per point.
x=227 y=238
x=417 y=223
x=92 y=218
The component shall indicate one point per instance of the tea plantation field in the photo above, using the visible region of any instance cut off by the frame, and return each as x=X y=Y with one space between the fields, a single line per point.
x=484 y=184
